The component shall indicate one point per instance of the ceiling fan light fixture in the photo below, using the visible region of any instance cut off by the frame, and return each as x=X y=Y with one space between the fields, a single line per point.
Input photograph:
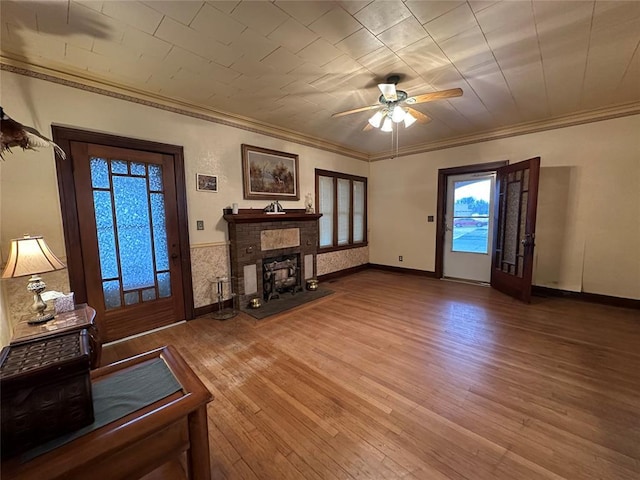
x=387 y=126
x=409 y=119
x=376 y=119
x=398 y=114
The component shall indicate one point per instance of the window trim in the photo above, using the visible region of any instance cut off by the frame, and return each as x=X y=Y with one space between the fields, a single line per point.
x=345 y=176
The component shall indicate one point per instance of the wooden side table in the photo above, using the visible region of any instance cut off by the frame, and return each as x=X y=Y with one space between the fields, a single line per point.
x=138 y=443
x=82 y=318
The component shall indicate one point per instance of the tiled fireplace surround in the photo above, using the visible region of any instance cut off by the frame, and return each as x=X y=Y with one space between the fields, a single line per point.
x=255 y=236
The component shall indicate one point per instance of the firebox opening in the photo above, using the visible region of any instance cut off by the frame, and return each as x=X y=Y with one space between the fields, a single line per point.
x=281 y=274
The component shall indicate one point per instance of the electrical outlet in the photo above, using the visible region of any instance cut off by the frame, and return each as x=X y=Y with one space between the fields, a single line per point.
x=400 y=258
x=200 y=224
x=430 y=218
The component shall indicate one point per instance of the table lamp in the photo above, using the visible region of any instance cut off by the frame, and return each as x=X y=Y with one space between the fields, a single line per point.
x=32 y=256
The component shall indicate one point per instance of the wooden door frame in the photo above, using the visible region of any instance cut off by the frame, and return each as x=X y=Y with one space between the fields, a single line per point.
x=441 y=207
x=68 y=205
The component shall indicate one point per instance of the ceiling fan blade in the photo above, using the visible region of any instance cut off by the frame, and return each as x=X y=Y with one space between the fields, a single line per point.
x=356 y=110
x=419 y=116
x=367 y=127
x=388 y=91
x=430 y=97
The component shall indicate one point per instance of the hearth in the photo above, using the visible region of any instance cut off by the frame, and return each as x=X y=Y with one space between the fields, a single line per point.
x=281 y=274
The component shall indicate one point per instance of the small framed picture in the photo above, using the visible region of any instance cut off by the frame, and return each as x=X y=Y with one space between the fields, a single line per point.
x=206 y=183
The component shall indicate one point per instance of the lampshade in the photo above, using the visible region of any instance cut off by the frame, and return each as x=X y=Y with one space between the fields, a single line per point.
x=30 y=256
x=398 y=114
x=409 y=119
x=376 y=119
x=387 y=126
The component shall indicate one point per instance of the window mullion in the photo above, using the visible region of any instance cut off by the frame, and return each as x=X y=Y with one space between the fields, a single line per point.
x=335 y=211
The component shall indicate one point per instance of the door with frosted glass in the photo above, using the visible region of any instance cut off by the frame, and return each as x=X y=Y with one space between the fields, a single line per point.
x=126 y=203
x=517 y=195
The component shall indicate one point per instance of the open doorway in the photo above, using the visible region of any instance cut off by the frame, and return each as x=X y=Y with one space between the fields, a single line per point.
x=464 y=233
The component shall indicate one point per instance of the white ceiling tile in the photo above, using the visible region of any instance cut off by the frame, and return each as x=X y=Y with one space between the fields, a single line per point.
x=274 y=82
x=335 y=25
x=282 y=60
x=381 y=15
x=182 y=11
x=252 y=45
x=218 y=25
x=144 y=43
x=423 y=55
x=629 y=88
x=263 y=17
x=353 y=6
x=319 y=52
x=251 y=67
x=360 y=43
x=306 y=12
x=609 y=14
x=451 y=23
x=478 y=5
x=343 y=64
x=504 y=14
x=403 y=34
x=226 y=6
x=187 y=38
x=135 y=14
x=467 y=49
x=92 y=4
x=293 y=35
x=86 y=22
x=180 y=58
x=31 y=44
x=307 y=72
x=18 y=13
x=84 y=59
x=427 y=11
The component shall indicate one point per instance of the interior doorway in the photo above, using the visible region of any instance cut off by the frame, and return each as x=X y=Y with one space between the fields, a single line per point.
x=124 y=216
x=469 y=226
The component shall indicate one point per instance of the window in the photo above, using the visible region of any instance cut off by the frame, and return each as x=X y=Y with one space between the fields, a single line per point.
x=342 y=201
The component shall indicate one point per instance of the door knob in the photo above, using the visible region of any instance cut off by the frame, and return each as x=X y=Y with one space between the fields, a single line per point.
x=527 y=241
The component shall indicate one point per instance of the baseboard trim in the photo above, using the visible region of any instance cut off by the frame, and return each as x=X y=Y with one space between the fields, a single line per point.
x=342 y=273
x=586 y=297
x=409 y=271
x=212 y=307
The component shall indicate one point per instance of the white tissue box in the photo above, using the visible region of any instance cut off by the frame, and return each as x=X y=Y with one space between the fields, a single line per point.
x=64 y=303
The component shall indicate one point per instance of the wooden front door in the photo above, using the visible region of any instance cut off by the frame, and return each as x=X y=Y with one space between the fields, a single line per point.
x=514 y=238
x=125 y=232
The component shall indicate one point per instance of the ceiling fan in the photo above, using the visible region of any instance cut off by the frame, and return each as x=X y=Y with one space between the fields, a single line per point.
x=393 y=106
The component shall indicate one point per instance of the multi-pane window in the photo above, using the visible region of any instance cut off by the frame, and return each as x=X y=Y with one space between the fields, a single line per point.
x=342 y=200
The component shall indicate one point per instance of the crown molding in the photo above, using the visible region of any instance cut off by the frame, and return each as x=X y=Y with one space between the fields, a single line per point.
x=85 y=81
x=571 y=120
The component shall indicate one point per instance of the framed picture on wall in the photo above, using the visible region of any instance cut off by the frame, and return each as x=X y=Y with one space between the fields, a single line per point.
x=206 y=183
x=269 y=174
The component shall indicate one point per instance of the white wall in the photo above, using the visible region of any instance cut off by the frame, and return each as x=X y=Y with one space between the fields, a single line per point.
x=588 y=228
x=29 y=197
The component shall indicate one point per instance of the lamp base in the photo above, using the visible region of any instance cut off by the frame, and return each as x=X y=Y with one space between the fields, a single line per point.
x=41 y=318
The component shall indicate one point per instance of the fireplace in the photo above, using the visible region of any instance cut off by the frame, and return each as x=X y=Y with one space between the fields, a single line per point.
x=271 y=253
x=280 y=274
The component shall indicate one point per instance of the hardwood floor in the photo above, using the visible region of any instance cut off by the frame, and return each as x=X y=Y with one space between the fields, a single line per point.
x=398 y=376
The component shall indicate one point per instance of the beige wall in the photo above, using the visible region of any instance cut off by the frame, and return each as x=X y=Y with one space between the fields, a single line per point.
x=588 y=229
x=28 y=189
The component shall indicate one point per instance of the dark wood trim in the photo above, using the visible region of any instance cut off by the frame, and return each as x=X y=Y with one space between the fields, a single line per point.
x=540 y=291
x=212 y=307
x=260 y=217
x=342 y=273
x=408 y=271
x=63 y=136
x=443 y=174
x=341 y=247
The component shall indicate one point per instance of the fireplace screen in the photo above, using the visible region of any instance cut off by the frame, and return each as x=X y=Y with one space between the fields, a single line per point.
x=281 y=274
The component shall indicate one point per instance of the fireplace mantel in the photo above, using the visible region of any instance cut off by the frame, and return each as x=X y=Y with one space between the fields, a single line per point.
x=258 y=216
